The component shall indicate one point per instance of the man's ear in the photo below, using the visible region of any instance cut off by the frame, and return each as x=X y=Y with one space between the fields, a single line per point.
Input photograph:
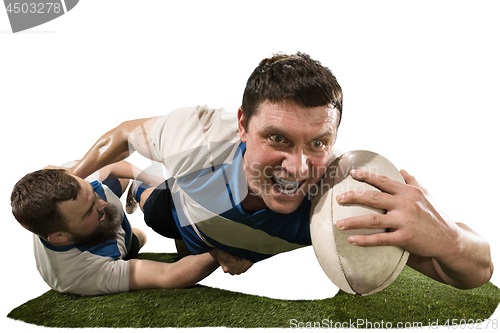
x=241 y=126
x=58 y=237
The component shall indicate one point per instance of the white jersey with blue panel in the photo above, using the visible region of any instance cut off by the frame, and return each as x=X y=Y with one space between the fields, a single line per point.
x=202 y=152
x=88 y=271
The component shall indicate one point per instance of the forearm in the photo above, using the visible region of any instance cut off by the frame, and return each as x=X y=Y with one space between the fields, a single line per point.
x=146 y=274
x=110 y=148
x=123 y=169
x=467 y=265
x=116 y=145
x=192 y=269
x=472 y=267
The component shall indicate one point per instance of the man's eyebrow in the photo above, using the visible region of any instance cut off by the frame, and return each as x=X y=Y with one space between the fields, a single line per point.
x=87 y=213
x=327 y=134
x=276 y=130
x=273 y=129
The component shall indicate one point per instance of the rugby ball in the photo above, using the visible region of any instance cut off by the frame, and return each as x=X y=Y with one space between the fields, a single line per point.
x=354 y=269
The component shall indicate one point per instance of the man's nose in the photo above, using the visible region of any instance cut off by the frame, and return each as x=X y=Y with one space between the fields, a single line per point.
x=296 y=164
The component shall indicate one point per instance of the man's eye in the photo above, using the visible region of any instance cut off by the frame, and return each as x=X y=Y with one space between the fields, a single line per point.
x=317 y=144
x=277 y=138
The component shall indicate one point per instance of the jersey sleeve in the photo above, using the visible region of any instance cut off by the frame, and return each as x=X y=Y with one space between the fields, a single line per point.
x=193 y=138
x=101 y=276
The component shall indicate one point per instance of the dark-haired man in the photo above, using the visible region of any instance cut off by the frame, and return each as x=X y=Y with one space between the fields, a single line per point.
x=84 y=244
x=241 y=184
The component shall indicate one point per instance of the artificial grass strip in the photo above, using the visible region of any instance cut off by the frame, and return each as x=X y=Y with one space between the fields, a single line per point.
x=412 y=299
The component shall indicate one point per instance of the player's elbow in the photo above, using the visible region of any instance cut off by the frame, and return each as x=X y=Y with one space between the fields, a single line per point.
x=490 y=273
x=477 y=260
x=482 y=275
x=487 y=273
x=487 y=267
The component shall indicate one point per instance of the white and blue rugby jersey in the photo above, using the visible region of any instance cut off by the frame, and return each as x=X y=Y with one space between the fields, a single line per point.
x=203 y=155
x=88 y=271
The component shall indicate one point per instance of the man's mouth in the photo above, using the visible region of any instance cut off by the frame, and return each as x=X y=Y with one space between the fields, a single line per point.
x=286 y=186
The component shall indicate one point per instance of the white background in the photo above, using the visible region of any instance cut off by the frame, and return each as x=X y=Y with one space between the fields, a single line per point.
x=420 y=83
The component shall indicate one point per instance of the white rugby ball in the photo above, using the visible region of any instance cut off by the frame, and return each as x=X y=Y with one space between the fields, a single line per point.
x=354 y=269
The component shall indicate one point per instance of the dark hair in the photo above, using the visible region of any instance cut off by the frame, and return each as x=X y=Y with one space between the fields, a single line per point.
x=295 y=78
x=35 y=199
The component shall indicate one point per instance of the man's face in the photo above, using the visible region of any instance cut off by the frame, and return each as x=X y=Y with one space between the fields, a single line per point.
x=287 y=152
x=90 y=220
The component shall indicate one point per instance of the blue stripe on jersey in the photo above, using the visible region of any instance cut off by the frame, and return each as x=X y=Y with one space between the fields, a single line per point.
x=97 y=186
x=106 y=249
x=209 y=188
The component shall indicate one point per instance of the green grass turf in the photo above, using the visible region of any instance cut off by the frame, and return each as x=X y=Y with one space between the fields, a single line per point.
x=411 y=298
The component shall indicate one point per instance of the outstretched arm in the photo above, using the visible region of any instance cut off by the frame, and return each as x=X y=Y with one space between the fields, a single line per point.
x=146 y=274
x=440 y=248
x=116 y=145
